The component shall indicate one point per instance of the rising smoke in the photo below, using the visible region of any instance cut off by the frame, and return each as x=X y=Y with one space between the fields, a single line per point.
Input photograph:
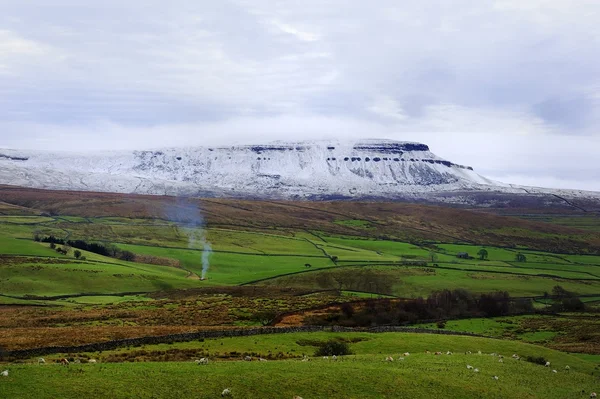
x=188 y=216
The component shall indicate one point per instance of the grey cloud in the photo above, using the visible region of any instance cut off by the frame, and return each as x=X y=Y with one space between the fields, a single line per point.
x=409 y=70
x=571 y=113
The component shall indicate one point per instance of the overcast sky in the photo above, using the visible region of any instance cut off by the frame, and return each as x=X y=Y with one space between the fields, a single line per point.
x=510 y=87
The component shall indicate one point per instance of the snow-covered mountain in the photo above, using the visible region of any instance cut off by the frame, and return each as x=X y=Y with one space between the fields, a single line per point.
x=294 y=170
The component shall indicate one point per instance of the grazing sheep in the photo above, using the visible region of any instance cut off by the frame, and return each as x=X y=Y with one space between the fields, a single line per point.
x=469 y=367
x=514 y=356
x=554 y=371
x=334 y=357
x=468 y=353
x=547 y=364
x=437 y=353
x=325 y=357
x=202 y=361
x=248 y=358
x=567 y=368
x=476 y=370
x=4 y=373
x=400 y=358
x=593 y=395
x=448 y=353
x=64 y=362
x=226 y=392
x=389 y=359
x=41 y=360
x=495 y=377
x=406 y=354
x=92 y=361
x=305 y=359
x=260 y=359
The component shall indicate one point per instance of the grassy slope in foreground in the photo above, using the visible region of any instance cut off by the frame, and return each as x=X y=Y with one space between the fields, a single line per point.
x=364 y=375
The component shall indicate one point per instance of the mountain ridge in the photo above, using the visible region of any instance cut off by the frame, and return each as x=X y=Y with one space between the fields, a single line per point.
x=311 y=170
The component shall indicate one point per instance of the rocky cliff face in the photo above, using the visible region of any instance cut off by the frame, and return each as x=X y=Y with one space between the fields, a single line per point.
x=295 y=170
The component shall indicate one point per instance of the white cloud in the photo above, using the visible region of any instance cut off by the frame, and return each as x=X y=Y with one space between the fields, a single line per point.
x=468 y=78
x=299 y=34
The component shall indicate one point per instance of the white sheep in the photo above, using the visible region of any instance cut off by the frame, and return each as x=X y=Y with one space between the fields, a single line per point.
x=334 y=357
x=4 y=373
x=406 y=354
x=41 y=360
x=260 y=359
x=77 y=361
x=202 y=361
x=92 y=361
x=500 y=361
x=479 y=352
x=495 y=377
x=515 y=356
x=448 y=353
x=476 y=370
x=297 y=397
x=325 y=357
x=567 y=368
x=400 y=358
x=468 y=353
x=593 y=395
x=389 y=359
x=554 y=371
x=305 y=359
x=469 y=367
x=226 y=392
x=547 y=364
x=248 y=358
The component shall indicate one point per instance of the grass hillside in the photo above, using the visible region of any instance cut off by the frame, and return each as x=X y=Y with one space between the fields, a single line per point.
x=399 y=221
x=290 y=263
x=365 y=374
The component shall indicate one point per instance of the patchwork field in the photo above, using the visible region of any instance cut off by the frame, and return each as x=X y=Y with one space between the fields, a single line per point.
x=265 y=262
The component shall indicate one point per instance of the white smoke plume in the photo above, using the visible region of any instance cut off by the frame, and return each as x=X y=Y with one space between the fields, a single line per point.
x=188 y=215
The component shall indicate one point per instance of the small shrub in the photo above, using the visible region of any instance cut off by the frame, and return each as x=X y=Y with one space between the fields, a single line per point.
x=333 y=347
x=536 y=359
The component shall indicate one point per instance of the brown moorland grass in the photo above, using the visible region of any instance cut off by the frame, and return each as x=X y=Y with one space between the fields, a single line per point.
x=24 y=327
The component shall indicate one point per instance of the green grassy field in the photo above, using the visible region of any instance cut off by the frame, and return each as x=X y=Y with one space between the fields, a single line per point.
x=279 y=257
x=365 y=374
x=258 y=266
x=411 y=282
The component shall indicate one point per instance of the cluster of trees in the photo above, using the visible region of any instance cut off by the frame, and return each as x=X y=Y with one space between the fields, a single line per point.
x=483 y=255
x=446 y=304
x=565 y=301
x=98 y=248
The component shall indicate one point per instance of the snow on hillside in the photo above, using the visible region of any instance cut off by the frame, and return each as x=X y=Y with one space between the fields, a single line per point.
x=368 y=168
